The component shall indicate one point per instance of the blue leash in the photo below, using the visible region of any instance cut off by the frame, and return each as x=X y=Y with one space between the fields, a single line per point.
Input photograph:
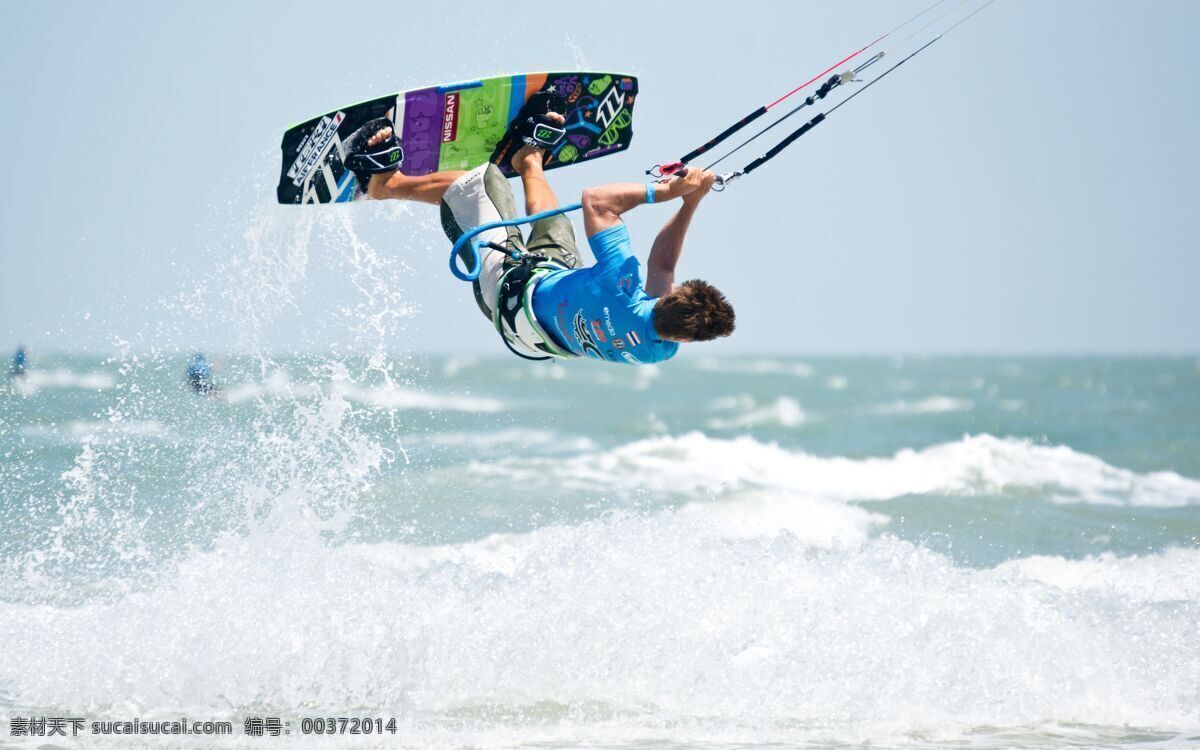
x=469 y=237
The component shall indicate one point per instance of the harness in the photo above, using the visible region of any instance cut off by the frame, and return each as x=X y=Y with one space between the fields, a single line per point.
x=513 y=311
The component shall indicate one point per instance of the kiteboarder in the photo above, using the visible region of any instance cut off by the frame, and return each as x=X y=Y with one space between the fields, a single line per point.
x=199 y=376
x=19 y=363
x=535 y=291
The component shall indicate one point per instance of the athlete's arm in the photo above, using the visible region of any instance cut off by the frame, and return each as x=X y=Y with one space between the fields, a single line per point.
x=668 y=245
x=603 y=205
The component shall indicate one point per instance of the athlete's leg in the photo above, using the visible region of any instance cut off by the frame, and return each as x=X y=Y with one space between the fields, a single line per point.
x=482 y=196
x=426 y=188
x=553 y=237
x=528 y=163
x=538 y=195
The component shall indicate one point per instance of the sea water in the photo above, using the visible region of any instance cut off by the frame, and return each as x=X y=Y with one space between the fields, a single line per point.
x=732 y=552
x=717 y=552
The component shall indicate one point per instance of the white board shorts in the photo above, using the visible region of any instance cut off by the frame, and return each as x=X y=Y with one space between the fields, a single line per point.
x=482 y=196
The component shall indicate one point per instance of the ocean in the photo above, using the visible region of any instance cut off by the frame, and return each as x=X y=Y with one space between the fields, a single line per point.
x=746 y=552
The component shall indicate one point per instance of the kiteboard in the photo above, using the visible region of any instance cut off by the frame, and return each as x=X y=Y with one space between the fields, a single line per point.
x=457 y=126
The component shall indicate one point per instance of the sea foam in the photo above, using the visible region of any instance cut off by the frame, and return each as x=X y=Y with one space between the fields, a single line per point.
x=695 y=462
x=627 y=626
x=38 y=380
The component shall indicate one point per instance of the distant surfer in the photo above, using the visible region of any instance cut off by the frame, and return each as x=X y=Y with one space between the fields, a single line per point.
x=608 y=311
x=199 y=375
x=19 y=363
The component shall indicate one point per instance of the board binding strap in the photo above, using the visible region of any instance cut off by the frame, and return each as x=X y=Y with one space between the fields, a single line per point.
x=458 y=126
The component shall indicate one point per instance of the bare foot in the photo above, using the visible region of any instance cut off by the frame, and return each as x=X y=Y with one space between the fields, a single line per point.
x=379 y=137
x=378 y=184
x=529 y=157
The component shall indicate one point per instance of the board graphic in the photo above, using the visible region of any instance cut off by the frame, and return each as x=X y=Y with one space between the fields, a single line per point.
x=457 y=126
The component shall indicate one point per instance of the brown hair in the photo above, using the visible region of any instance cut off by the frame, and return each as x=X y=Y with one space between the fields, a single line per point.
x=694 y=311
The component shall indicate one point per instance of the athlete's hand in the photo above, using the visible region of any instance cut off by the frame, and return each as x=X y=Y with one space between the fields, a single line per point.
x=689 y=181
x=681 y=186
x=704 y=180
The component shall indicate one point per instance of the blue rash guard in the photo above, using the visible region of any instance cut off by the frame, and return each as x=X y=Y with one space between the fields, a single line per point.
x=603 y=311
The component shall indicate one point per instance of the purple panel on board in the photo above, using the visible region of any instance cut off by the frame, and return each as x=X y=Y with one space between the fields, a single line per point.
x=566 y=86
x=422 y=131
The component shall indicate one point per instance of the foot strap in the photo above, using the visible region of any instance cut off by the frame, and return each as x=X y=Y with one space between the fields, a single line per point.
x=540 y=131
x=364 y=160
x=532 y=127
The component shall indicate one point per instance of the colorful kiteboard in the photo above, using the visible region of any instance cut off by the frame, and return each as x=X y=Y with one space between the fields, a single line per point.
x=457 y=126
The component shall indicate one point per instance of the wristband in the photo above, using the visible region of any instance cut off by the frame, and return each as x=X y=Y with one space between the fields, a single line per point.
x=649 y=192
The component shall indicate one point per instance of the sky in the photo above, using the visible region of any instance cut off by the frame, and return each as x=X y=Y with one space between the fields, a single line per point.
x=1027 y=185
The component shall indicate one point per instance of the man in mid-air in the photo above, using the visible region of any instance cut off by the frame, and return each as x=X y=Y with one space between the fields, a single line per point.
x=608 y=311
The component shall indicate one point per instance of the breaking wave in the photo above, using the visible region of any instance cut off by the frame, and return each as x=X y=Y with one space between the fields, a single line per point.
x=696 y=463
x=931 y=405
x=742 y=412
x=631 y=626
x=38 y=380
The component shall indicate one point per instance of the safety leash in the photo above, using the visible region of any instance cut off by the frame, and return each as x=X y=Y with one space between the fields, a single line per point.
x=469 y=242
